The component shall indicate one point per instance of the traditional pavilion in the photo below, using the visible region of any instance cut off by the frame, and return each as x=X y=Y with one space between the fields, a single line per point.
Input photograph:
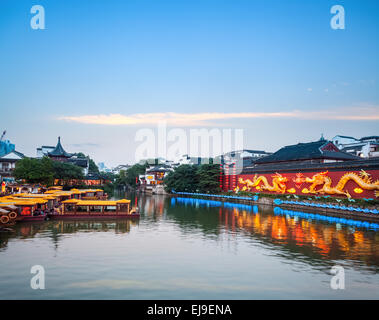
x=59 y=154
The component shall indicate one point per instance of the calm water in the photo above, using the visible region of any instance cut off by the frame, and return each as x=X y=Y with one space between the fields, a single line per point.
x=179 y=250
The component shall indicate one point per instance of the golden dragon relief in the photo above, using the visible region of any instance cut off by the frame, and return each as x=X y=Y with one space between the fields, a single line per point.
x=320 y=183
x=278 y=183
x=321 y=179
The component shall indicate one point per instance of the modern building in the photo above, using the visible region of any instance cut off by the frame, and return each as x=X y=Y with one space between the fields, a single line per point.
x=124 y=167
x=6 y=146
x=186 y=159
x=44 y=151
x=243 y=158
x=365 y=147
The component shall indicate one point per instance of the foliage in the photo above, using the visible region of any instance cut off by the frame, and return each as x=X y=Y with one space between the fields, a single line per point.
x=192 y=178
x=45 y=170
x=109 y=189
x=35 y=170
x=209 y=178
x=121 y=179
x=66 y=171
x=92 y=167
x=108 y=176
x=132 y=173
x=184 y=178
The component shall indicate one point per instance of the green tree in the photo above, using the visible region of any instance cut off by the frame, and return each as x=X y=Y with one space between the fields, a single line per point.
x=35 y=170
x=67 y=171
x=183 y=179
x=133 y=172
x=92 y=167
x=109 y=176
x=121 y=179
x=209 y=178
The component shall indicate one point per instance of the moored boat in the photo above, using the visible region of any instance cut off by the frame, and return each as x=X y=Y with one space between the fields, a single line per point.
x=89 y=209
x=23 y=210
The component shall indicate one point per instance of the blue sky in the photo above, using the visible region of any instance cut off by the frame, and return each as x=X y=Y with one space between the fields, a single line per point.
x=133 y=59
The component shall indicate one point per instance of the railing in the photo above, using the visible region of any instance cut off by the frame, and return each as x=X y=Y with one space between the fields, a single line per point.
x=278 y=202
x=253 y=198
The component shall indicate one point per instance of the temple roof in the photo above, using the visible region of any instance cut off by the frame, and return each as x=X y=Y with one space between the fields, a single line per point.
x=13 y=155
x=59 y=151
x=369 y=138
x=321 y=149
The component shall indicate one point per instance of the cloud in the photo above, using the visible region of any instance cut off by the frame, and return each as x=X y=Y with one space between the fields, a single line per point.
x=85 y=144
x=207 y=118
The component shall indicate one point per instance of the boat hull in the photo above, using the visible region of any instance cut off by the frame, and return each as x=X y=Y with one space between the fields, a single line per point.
x=92 y=216
x=30 y=219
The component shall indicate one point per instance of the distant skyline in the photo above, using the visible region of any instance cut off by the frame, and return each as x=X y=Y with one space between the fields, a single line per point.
x=102 y=70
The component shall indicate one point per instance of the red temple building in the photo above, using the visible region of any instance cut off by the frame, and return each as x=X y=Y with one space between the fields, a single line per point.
x=314 y=168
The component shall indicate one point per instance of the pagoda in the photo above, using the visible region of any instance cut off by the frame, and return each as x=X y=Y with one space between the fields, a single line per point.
x=59 y=154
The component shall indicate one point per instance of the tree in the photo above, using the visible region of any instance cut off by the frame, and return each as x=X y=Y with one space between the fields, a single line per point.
x=107 y=176
x=35 y=170
x=209 y=178
x=67 y=171
x=93 y=168
x=121 y=179
x=133 y=172
x=183 y=179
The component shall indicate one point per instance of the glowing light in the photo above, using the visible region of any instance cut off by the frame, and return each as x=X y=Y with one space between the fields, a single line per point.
x=358 y=190
x=292 y=190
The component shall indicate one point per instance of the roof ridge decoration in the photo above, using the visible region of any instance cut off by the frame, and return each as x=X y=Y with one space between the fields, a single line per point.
x=59 y=151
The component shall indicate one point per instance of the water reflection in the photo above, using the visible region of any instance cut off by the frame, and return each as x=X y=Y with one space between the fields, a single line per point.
x=191 y=249
x=317 y=242
x=294 y=236
x=55 y=229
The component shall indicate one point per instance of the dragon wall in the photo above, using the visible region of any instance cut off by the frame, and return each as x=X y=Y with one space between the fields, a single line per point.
x=348 y=184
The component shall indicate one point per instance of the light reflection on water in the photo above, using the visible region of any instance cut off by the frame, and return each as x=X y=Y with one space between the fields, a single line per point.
x=180 y=250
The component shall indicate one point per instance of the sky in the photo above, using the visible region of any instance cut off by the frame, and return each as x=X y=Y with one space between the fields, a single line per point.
x=101 y=71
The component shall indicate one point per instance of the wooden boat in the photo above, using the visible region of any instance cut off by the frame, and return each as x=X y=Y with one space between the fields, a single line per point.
x=7 y=216
x=82 y=194
x=89 y=209
x=25 y=210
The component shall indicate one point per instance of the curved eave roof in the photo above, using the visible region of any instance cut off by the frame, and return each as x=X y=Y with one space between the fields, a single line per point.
x=59 y=151
x=305 y=151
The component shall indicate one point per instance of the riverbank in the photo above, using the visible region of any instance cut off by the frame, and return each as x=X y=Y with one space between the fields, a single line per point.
x=320 y=206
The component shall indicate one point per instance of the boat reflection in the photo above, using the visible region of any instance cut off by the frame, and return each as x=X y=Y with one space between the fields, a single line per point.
x=55 y=229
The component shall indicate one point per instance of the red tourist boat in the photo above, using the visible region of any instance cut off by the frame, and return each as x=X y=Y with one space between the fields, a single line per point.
x=89 y=209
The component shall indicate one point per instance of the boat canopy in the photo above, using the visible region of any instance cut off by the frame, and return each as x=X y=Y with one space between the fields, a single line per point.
x=95 y=202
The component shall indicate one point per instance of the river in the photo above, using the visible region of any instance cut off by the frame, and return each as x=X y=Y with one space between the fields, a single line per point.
x=190 y=250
